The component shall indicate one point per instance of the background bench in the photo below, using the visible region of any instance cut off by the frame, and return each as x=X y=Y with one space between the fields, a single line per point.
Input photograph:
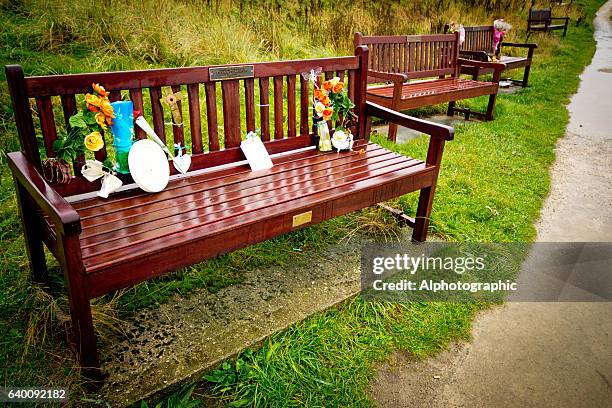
x=397 y=59
x=107 y=244
x=478 y=46
x=542 y=20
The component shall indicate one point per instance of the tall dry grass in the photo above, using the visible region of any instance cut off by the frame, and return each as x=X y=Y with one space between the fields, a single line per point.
x=183 y=32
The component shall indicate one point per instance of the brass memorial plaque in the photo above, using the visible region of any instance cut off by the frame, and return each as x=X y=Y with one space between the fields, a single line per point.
x=301 y=219
x=234 y=72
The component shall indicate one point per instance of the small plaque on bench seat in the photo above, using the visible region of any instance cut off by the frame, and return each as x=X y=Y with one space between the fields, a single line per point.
x=301 y=219
x=232 y=72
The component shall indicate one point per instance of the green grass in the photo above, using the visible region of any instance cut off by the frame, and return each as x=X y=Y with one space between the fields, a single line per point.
x=493 y=181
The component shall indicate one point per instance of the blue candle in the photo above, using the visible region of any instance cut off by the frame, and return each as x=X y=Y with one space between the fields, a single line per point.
x=123 y=133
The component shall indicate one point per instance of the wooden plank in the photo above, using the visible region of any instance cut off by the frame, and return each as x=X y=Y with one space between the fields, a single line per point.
x=136 y=98
x=157 y=113
x=47 y=123
x=249 y=96
x=264 y=108
x=193 y=96
x=177 y=128
x=291 y=108
x=210 y=89
x=278 y=107
x=51 y=85
x=305 y=106
x=231 y=112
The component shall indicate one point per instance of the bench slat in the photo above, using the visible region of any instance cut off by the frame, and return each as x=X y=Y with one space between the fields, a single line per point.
x=249 y=103
x=264 y=108
x=231 y=112
x=210 y=89
x=47 y=123
x=278 y=107
x=158 y=112
x=69 y=108
x=178 y=131
x=193 y=96
x=291 y=110
x=305 y=106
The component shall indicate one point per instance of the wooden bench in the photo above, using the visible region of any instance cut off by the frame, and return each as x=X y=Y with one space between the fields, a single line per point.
x=478 y=46
x=397 y=59
x=104 y=245
x=542 y=20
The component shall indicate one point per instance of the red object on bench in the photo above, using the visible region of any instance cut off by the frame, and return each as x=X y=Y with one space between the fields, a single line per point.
x=398 y=59
x=220 y=205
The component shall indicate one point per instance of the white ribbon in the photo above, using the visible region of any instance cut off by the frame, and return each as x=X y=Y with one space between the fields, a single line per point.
x=93 y=170
x=312 y=75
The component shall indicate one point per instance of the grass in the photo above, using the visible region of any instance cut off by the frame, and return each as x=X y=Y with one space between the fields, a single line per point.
x=493 y=181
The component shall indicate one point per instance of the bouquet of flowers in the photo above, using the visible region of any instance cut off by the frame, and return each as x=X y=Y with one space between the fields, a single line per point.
x=331 y=103
x=85 y=132
x=500 y=28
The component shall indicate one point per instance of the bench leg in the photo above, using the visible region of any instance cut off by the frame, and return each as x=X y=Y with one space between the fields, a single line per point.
x=451 y=109
x=491 y=107
x=526 y=76
x=392 y=132
x=421 y=221
x=32 y=235
x=84 y=336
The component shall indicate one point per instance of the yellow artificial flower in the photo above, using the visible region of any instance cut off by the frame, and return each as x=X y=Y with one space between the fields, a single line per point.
x=94 y=141
x=101 y=120
x=334 y=81
x=99 y=90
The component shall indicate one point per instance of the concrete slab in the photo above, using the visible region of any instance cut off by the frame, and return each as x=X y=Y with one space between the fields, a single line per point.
x=164 y=348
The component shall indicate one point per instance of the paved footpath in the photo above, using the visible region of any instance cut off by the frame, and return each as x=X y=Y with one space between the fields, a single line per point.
x=538 y=354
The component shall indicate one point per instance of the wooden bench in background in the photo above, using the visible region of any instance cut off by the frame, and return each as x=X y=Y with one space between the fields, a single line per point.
x=478 y=46
x=542 y=20
x=398 y=59
x=104 y=245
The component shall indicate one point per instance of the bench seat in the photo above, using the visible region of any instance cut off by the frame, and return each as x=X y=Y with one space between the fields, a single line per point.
x=421 y=93
x=194 y=215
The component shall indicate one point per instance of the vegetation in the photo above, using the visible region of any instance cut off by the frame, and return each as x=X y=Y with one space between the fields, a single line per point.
x=493 y=181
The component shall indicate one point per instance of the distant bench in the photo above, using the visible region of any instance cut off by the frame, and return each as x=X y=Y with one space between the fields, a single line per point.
x=104 y=245
x=398 y=59
x=541 y=20
x=478 y=46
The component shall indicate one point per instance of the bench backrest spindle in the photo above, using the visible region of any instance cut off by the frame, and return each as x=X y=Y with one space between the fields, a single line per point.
x=219 y=105
x=416 y=56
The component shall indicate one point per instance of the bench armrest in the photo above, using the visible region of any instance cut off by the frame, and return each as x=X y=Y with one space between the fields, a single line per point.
x=432 y=129
x=520 y=45
x=388 y=76
x=63 y=215
x=474 y=55
x=497 y=67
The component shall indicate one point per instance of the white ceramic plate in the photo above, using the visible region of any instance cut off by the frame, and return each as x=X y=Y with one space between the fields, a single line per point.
x=149 y=166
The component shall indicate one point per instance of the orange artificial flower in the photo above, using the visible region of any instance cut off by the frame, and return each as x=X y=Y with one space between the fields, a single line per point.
x=92 y=108
x=319 y=93
x=326 y=100
x=107 y=108
x=93 y=100
x=99 y=90
x=328 y=86
x=327 y=113
x=338 y=87
x=109 y=120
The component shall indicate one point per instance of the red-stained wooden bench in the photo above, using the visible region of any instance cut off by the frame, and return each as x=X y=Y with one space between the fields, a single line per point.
x=104 y=245
x=478 y=46
x=542 y=20
x=398 y=59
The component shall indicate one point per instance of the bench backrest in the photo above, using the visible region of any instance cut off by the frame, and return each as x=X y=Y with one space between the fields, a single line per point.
x=417 y=56
x=272 y=97
x=539 y=16
x=477 y=38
